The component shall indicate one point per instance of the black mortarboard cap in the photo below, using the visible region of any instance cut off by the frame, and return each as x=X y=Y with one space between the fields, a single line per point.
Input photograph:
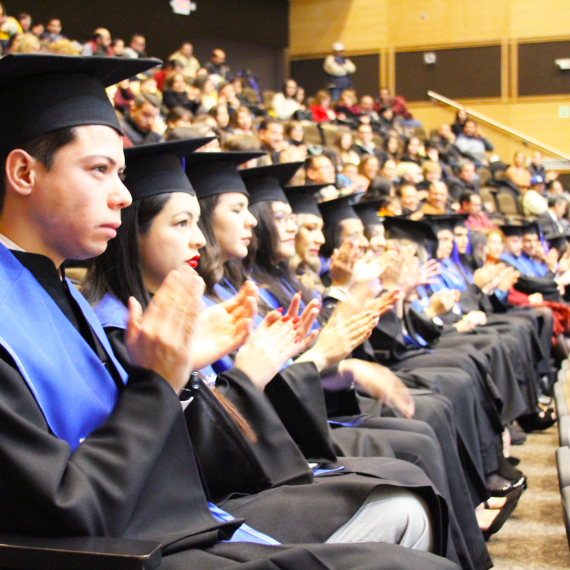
x=557 y=241
x=398 y=227
x=302 y=200
x=154 y=169
x=266 y=183
x=532 y=228
x=512 y=230
x=214 y=173
x=445 y=222
x=368 y=211
x=334 y=211
x=41 y=93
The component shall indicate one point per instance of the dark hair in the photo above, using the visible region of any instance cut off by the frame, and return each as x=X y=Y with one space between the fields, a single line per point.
x=169 y=81
x=263 y=126
x=177 y=113
x=143 y=98
x=43 y=148
x=332 y=240
x=262 y=258
x=466 y=197
x=378 y=188
x=119 y=269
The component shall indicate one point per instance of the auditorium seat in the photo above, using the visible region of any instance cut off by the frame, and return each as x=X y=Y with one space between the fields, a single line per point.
x=565 y=495
x=488 y=196
x=484 y=176
x=564 y=431
x=560 y=399
x=508 y=205
x=312 y=133
x=563 y=466
x=78 y=553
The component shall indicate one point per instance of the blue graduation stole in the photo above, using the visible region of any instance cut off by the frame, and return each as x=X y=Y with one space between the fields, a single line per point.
x=452 y=276
x=523 y=264
x=70 y=384
x=538 y=268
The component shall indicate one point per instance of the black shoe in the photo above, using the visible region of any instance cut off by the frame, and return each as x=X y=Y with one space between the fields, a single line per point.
x=537 y=422
x=500 y=487
x=507 y=471
x=505 y=512
x=514 y=461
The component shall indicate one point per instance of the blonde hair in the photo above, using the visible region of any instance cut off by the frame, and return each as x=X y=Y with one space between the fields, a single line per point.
x=27 y=43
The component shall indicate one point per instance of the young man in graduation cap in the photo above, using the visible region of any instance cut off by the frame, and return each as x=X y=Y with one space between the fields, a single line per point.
x=88 y=450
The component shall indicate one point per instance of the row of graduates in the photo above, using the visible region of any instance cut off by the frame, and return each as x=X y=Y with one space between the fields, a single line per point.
x=97 y=441
x=460 y=411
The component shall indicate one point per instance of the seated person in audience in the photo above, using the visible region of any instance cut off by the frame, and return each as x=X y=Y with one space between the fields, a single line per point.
x=368 y=169
x=52 y=32
x=518 y=172
x=175 y=93
x=536 y=168
x=398 y=105
x=284 y=103
x=389 y=170
x=408 y=195
x=107 y=452
x=444 y=140
x=409 y=172
x=137 y=47
x=207 y=96
x=343 y=144
x=477 y=220
x=431 y=173
x=387 y=122
x=380 y=188
x=228 y=96
x=346 y=178
x=185 y=55
x=141 y=123
x=242 y=122
x=320 y=170
x=167 y=69
x=537 y=184
x=178 y=117
x=461 y=117
x=217 y=68
x=411 y=151
x=271 y=133
x=99 y=44
x=123 y=97
x=466 y=180
x=392 y=147
x=392 y=207
x=471 y=143
x=367 y=111
x=321 y=108
x=436 y=201
x=220 y=113
x=365 y=144
x=347 y=108
x=432 y=155
x=551 y=222
x=294 y=133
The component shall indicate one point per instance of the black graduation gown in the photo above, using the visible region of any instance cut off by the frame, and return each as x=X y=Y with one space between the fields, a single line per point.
x=134 y=476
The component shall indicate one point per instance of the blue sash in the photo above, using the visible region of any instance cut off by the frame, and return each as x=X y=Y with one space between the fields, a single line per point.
x=71 y=385
x=523 y=265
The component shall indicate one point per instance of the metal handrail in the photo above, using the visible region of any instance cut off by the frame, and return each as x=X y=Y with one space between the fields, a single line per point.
x=513 y=132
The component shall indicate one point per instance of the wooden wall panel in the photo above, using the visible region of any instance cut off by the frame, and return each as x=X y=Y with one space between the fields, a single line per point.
x=537 y=73
x=364 y=25
x=461 y=73
x=309 y=73
x=316 y=24
x=442 y=22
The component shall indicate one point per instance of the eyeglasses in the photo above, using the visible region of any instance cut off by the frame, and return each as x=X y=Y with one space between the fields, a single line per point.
x=283 y=218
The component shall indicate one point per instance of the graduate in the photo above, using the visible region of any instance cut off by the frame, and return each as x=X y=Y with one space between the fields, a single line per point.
x=89 y=450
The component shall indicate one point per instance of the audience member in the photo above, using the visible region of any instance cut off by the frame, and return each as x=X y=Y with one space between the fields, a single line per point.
x=99 y=44
x=365 y=144
x=185 y=55
x=347 y=108
x=25 y=21
x=389 y=171
x=411 y=151
x=217 y=68
x=461 y=117
x=471 y=143
x=320 y=170
x=242 y=122
x=518 y=172
x=168 y=68
x=136 y=47
x=536 y=168
x=64 y=47
x=175 y=93
x=431 y=172
x=410 y=200
x=466 y=180
x=551 y=221
x=208 y=96
x=52 y=32
x=118 y=47
x=123 y=97
x=339 y=70
x=220 y=113
x=9 y=28
x=344 y=146
x=321 y=108
x=367 y=113
x=444 y=140
x=284 y=103
x=26 y=43
x=228 y=96
x=368 y=169
x=398 y=105
x=294 y=133
x=139 y=122
x=392 y=147
x=178 y=117
x=477 y=219
x=436 y=201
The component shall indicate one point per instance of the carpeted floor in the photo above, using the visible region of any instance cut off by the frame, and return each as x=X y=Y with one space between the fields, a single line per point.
x=534 y=537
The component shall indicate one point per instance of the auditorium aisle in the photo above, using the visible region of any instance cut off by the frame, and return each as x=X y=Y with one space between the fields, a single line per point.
x=534 y=537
